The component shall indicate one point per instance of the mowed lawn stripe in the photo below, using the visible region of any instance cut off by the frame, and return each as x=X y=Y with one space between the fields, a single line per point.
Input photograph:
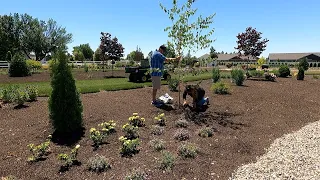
x=96 y=85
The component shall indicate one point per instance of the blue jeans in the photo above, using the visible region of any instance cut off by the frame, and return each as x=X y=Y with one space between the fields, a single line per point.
x=203 y=101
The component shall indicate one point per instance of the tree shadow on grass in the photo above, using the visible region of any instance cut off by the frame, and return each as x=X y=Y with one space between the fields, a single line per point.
x=20 y=106
x=244 y=86
x=131 y=154
x=260 y=80
x=65 y=168
x=166 y=107
x=68 y=139
x=108 y=77
x=96 y=147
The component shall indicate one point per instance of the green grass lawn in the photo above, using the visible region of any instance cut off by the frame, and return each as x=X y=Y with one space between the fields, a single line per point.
x=112 y=84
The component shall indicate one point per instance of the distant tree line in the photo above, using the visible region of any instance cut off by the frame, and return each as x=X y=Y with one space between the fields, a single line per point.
x=22 y=33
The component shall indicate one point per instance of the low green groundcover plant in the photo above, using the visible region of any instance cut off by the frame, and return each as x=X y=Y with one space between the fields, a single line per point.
x=167 y=161
x=18 y=95
x=220 y=88
x=157 y=144
x=188 y=150
x=173 y=83
x=237 y=76
x=98 y=164
x=215 y=75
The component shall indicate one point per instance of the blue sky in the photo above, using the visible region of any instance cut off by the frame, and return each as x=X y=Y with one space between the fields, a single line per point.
x=290 y=25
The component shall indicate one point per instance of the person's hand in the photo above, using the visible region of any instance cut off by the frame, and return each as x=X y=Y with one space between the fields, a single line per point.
x=185 y=103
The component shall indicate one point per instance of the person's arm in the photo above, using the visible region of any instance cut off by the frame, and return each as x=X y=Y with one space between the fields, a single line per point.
x=168 y=60
x=184 y=97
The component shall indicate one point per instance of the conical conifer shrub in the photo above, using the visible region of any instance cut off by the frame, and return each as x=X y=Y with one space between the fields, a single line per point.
x=65 y=106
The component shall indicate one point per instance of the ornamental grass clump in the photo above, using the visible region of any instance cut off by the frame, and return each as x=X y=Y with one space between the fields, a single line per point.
x=98 y=164
x=205 y=132
x=188 y=150
x=157 y=144
x=181 y=134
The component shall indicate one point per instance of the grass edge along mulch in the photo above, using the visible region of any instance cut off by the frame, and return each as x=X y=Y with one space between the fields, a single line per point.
x=97 y=85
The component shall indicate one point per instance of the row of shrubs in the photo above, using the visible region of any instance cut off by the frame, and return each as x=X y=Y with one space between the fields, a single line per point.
x=20 y=67
x=18 y=95
x=238 y=76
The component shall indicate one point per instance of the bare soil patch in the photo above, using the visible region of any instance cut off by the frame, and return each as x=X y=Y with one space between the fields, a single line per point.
x=245 y=122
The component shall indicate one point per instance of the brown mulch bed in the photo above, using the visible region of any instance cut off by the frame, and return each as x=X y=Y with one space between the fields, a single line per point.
x=78 y=75
x=247 y=121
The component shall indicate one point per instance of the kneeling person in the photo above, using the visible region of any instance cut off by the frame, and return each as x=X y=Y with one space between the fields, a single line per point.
x=197 y=93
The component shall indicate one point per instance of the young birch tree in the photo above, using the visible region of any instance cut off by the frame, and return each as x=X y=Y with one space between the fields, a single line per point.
x=185 y=34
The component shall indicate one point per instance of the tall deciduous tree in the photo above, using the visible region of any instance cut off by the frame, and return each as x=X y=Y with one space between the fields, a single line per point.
x=110 y=48
x=261 y=61
x=78 y=54
x=131 y=55
x=150 y=54
x=9 y=35
x=138 y=55
x=170 y=51
x=250 y=43
x=97 y=55
x=23 y=33
x=188 y=60
x=185 y=33
x=213 y=53
x=86 y=51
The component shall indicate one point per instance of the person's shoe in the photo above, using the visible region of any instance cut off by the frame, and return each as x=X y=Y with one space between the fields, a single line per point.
x=156 y=103
x=207 y=100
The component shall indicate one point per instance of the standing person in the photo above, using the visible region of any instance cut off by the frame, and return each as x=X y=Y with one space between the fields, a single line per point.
x=157 y=62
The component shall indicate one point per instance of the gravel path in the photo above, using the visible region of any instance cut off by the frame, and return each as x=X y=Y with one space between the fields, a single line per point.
x=293 y=156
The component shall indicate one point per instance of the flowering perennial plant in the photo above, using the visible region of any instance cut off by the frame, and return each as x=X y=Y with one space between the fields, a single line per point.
x=161 y=119
x=69 y=160
x=40 y=150
x=135 y=120
x=129 y=146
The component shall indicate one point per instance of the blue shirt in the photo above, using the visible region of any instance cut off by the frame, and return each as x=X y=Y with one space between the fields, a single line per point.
x=156 y=65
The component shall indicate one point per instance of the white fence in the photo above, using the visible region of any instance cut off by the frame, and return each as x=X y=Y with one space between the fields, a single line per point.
x=5 y=64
